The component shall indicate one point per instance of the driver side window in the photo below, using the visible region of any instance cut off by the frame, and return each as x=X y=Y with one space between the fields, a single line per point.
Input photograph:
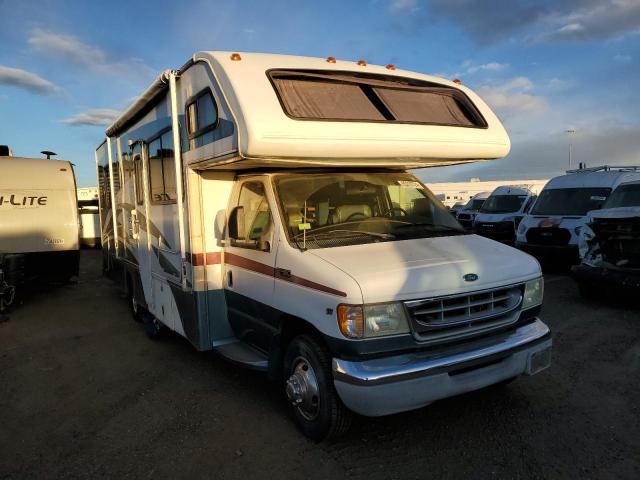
x=257 y=216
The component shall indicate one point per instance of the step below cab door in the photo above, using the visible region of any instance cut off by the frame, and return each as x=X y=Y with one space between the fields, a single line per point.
x=249 y=262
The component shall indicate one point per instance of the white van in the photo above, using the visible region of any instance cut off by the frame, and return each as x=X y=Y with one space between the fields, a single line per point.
x=500 y=214
x=467 y=214
x=609 y=246
x=39 y=218
x=551 y=230
x=285 y=234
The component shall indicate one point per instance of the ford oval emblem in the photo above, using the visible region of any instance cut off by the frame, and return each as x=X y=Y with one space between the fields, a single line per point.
x=470 y=277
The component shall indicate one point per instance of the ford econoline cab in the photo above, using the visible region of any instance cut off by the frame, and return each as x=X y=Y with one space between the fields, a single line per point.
x=551 y=229
x=260 y=206
x=500 y=214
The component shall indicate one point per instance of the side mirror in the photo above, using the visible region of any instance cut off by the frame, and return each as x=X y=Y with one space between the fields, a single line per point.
x=236 y=224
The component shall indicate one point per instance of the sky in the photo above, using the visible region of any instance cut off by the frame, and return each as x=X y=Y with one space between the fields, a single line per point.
x=547 y=66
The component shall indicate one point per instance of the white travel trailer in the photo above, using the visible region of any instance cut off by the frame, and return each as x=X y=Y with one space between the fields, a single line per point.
x=38 y=218
x=259 y=206
x=551 y=229
x=502 y=211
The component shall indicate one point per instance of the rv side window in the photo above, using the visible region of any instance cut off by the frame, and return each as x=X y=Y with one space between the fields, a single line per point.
x=162 y=173
x=137 y=169
x=202 y=119
x=257 y=216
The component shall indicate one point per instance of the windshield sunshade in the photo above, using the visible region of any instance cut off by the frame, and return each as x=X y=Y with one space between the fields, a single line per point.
x=346 y=96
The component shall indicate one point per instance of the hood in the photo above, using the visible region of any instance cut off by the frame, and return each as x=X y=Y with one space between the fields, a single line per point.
x=428 y=267
x=620 y=212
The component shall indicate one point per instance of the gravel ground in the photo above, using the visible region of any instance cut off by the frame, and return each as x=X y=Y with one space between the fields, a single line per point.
x=84 y=393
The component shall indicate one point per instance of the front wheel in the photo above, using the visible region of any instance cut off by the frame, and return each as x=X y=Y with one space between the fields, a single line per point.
x=316 y=407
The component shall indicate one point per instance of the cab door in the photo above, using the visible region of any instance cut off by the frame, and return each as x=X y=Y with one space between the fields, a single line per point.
x=249 y=263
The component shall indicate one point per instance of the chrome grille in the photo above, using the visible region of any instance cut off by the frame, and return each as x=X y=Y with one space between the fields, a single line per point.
x=459 y=316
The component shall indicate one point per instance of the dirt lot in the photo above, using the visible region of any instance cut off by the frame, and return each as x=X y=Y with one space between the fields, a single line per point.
x=84 y=393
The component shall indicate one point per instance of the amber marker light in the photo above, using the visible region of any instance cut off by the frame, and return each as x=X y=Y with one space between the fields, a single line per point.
x=457 y=81
x=391 y=66
x=331 y=59
x=362 y=63
x=236 y=57
x=351 y=320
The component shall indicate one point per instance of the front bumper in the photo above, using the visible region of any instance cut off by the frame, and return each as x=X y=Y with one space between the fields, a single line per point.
x=555 y=253
x=399 y=383
x=620 y=279
x=504 y=232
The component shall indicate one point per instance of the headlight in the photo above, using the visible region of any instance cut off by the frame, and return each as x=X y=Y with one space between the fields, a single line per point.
x=376 y=320
x=533 y=292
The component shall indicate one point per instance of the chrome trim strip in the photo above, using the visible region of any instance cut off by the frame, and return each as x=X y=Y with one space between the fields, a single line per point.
x=404 y=367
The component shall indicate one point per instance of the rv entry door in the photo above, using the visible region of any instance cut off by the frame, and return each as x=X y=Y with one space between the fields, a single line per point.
x=135 y=221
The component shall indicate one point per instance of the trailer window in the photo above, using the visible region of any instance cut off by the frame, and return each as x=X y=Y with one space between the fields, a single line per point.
x=346 y=96
x=137 y=170
x=202 y=119
x=162 y=173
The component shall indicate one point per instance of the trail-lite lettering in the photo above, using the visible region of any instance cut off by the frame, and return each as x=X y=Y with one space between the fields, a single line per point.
x=22 y=201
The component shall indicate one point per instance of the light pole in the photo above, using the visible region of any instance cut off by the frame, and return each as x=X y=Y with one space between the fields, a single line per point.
x=570 y=132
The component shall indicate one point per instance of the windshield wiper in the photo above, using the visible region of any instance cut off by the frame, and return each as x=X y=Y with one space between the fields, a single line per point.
x=314 y=235
x=446 y=228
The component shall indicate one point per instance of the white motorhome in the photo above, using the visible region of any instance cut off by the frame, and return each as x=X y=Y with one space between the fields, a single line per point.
x=502 y=211
x=467 y=214
x=259 y=206
x=39 y=217
x=551 y=229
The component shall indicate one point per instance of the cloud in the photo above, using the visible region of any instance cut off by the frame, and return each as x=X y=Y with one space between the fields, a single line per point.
x=491 y=66
x=546 y=157
x=403 y=5
x=512 y=98
x=16 y=77
x=541 y=20
x=94 y=117
x=623 y=58
x=594 y=20
x=73 y=50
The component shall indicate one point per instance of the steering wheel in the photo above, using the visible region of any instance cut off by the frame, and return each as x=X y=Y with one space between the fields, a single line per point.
x=389 y=212
x=354 y=215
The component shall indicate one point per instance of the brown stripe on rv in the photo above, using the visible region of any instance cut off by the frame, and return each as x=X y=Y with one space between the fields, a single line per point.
x=215 y=258
x=209 y=258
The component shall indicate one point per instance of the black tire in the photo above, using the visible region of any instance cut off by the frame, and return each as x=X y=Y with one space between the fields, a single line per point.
x=330 y=417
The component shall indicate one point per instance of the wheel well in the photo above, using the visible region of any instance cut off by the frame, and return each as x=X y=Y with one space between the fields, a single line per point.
x=290 y=327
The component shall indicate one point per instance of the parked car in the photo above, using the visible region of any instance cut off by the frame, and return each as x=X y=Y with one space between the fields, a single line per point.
x=609 y=246
x=550 y=231
x=467 y=214
x=500 y=213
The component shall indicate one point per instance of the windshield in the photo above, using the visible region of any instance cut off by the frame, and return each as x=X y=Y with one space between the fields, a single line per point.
x=503 y=203
x=624 y=196
x=474 y=204
x=570 y=201
x=335 y=209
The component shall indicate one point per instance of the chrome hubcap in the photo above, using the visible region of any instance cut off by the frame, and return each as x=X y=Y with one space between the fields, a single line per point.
x=302 y=389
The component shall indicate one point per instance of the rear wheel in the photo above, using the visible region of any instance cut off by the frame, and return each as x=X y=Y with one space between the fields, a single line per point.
x=316 y=407
x=137 y=312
